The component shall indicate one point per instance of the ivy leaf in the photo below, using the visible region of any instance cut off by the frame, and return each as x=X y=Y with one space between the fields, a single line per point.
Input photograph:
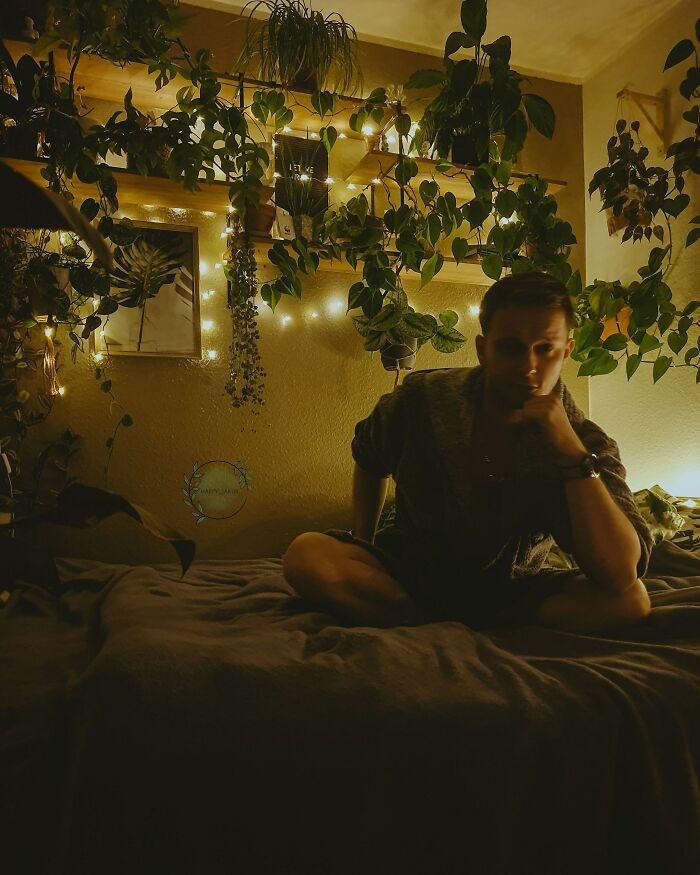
x=430 y=268
x=682 y=50
x=632 y=365
x=677 y=340
x=661 y=365
x=492 y=265
x=447 y=340
x=460 y=247
x=448 y=318
x=692 y=237
x=424 y=79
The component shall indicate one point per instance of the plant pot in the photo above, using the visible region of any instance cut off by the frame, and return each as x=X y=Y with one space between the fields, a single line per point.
x=400 y=356
x=610 y=325
x=463 y=151
x=158 y=169
x=303 y=227
x=617 y=223
x=258 y=220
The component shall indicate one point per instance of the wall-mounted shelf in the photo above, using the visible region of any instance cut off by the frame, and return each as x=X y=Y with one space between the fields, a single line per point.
x=376 y=164
x=132 y=188
x=468 y=271
x=101 y=80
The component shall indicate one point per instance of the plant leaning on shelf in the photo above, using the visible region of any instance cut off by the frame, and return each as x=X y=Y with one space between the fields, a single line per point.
x=655 y=324
x=298 y=47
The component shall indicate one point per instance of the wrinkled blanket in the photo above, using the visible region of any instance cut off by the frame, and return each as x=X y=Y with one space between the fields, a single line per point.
x=218 y=724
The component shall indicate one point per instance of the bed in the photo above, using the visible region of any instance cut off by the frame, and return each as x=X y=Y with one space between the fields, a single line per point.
x=216 y=723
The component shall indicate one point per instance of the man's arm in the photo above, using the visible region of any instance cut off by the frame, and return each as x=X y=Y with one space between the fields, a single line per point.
x=368 y=496
x=605 y=543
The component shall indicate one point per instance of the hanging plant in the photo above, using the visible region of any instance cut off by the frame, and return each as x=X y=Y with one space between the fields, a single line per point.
x=246 y=376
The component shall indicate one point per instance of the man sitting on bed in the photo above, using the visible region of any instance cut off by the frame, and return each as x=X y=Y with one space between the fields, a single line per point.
x=491 y=464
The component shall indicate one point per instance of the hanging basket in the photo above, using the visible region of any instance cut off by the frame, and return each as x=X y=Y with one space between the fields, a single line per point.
x=400 y=356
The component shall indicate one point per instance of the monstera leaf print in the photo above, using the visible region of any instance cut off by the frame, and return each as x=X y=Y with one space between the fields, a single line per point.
x=142 y=269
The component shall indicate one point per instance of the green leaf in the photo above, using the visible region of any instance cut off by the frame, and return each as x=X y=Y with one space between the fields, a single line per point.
x=692 y=237
x=661 y=365
x=460 y=247
x=506 y=202
x=447 y=340
x=492 y=265
x=403 y=124
x=89 y=208
x=677 y=340
x=389 y=316
x=355 y=295
x=457 y=40
x=427 y=190
x=448 y=318
x=682 y=50
x=430 y=268
x=632 y=365
x=615 y=342
x=433 y=229
x=540 y=114
x=424 y=79
x=473 y=16
x=418 y=325
x=499 y=48
x=328 y=137
x=691 y=354
x=127 y=421
x=649 y=342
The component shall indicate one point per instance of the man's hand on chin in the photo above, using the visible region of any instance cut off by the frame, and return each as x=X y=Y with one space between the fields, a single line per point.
x=547 y=414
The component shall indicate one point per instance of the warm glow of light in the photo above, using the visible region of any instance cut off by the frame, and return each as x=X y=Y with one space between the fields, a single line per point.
x=376 y=180
x=98 y=357
x=276 y=174
x=61 y=390
x=341 y=136
x=304 y=177
x=351 y=186
x=206 y=295
x=286 y=319
x=95 y=302
x=62 y=237
x=367 y=130
x=314 y=314
x=102 y=334
x=391 y=139
x=222 y=235
x=231 y=209
x=313 y=135
x=688 y=503
x=212 y=353
x=685 y=482
x=286 y=129
x=207 y=325
x=48 y=332
x=507 y=220
x=208 y=213
x=203 y=267
x=474 y=310
x=217 y=266
x=330 y=180
x=178 y=211
x=335 y=306
x=152 y=207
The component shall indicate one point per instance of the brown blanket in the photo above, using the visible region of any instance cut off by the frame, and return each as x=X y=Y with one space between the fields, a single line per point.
x=216 y=724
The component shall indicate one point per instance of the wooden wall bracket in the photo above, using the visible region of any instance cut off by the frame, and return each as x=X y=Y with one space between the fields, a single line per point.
x=648 y=103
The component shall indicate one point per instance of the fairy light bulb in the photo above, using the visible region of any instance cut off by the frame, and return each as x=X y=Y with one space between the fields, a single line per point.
x=391 y=139
x=211 y=354
x=351 y=186
x=207 y=325
x=276 y=174
x=314 y=314
x=330 y=180
x=376 y=180
x=203 y=267
x=48 y=332
x=313 y=135
x=367 y=130
x=102 y=334
x=98 y=357
x=231 y=209
x=61 y=390
x=286 y=129
x=342 y=136
x=95 y=302
x=474 y=310
x=178 y=211
x=304 y=177
x=208 y=213
x=217 y=266
x=286 y=320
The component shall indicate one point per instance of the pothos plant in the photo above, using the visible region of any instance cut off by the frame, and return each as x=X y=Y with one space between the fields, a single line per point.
x=647 y=196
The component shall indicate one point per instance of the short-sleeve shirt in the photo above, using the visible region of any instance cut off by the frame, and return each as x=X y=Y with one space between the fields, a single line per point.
x=420 y=434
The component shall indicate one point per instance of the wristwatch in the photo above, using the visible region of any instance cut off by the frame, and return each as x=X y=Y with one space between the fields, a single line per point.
x=589 y=466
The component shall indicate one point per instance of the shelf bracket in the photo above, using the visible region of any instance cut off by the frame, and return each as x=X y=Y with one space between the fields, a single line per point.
x=647 y=103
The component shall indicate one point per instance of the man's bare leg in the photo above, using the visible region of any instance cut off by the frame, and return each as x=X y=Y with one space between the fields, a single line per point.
x=348 y=581
x=584 y=606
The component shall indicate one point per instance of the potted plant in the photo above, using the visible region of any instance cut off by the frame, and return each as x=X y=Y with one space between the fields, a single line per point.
x=19 y=114
x=473 y=114
x=298 y=47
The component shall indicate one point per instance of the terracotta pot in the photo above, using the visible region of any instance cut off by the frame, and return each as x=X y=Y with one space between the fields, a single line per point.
x=400 y=356
x=610 y=325
x=258 y=220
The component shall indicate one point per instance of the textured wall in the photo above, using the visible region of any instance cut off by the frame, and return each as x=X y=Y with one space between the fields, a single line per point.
x=320 y=383
x=656 y=426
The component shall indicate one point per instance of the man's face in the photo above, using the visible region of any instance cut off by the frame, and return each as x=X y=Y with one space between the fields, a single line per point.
x=523 y=353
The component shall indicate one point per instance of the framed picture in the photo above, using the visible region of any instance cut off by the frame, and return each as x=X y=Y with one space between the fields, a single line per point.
x=156 y=282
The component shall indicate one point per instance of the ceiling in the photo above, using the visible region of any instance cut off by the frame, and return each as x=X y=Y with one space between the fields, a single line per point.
x=565 y=40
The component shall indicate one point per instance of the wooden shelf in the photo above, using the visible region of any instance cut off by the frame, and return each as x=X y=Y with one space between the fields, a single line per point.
x=468 y=271
x=101 y=80
x=132 y=188
x=376 y=164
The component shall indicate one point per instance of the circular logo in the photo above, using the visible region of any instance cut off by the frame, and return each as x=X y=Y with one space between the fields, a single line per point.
x=217 y=490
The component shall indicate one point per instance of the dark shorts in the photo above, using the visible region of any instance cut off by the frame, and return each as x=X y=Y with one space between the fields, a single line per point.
x=479 y=604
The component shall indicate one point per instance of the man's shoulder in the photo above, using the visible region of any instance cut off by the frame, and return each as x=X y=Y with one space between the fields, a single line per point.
x=438 y=378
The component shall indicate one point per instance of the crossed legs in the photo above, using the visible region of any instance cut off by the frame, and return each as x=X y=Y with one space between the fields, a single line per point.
x=351 y=583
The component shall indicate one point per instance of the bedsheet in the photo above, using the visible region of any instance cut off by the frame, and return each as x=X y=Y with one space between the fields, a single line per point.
x=219 y=724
